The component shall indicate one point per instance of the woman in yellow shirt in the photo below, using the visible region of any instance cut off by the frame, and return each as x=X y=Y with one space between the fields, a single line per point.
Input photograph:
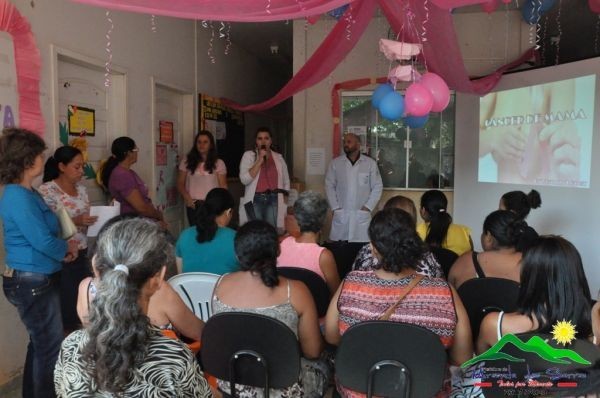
x=438 y=229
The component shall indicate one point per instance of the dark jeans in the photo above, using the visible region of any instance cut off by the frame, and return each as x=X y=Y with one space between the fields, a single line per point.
x=37 y=298
x=265 y=207
x=344 y=253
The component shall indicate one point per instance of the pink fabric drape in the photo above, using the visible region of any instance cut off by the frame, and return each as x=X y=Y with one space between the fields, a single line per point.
x=27 y=62
x=224 y=10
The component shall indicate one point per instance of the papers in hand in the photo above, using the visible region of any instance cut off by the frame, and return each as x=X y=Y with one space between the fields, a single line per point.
x=104 y=213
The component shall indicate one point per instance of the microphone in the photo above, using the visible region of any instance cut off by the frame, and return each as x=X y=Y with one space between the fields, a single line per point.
x=264 y=147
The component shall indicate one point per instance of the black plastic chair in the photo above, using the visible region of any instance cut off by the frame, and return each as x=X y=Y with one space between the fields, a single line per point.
x=484 y=295
x=317 y=286
x=391 y=359
x=444 y=257
x=250 y=349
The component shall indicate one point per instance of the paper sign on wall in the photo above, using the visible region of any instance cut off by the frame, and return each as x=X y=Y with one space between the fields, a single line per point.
x=315 y=161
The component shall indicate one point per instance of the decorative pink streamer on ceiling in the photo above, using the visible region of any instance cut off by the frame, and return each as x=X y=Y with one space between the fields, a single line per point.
x=441 y=49
x=27 y=62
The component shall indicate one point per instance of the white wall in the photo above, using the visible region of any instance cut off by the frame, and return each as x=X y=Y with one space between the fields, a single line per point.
x=570 y=212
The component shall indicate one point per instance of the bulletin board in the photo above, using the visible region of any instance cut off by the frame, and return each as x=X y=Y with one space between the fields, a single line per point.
x=227 y=125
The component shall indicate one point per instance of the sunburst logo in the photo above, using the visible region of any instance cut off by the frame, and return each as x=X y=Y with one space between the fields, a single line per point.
x=563 y=332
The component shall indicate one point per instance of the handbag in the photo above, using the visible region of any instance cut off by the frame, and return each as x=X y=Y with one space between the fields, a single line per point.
x=67 y=226
x=388 y=313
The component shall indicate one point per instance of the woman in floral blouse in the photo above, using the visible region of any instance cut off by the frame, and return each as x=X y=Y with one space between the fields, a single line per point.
x=61 y=188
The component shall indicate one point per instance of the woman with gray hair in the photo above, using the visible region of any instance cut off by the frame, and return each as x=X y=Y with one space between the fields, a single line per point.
x=120 y=352
x=303 y=251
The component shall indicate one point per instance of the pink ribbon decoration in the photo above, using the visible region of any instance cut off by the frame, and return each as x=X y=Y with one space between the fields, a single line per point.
x=27 y=62
x=405 y=73
x=397 y=50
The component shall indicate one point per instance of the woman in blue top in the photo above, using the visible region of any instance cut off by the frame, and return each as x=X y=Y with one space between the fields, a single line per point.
x=208 y=246
x=33 y=256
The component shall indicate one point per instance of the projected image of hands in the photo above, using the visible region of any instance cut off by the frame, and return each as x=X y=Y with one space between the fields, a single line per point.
x=538 y=135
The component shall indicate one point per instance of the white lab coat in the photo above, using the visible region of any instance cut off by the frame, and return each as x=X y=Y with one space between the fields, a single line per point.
x=349 y=188
x=283 y=182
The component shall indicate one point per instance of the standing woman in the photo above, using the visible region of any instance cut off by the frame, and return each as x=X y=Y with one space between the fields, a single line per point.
x=124 y=184
x=265 y=175
x=33 y=256
x=200 y=172
x=61 y=188
x=438 y=229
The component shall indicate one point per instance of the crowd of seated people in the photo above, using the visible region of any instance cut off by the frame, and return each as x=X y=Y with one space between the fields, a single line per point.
x=127 y=305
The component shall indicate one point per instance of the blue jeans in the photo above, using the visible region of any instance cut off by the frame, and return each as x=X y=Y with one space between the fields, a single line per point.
x=37 y=299
x=265 y=207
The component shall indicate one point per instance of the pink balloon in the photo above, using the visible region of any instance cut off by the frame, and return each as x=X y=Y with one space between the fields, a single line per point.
x=418 y=100
x=594 y=6
x=489 y=6
x=439 y=90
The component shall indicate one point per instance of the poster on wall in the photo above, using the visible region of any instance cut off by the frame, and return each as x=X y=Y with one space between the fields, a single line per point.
x=227 y=125
x=165 y=129
x=82 y=121
x=9 y=96
x=167 y=159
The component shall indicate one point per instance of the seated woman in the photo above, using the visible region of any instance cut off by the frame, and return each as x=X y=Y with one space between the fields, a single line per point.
x=521 y=204
x=257 y=289
x=553 y=288
x=500 y=258
x=428 y=266
x=310 y=210
x=208 y=246
x=120 y=352
x=438 y=229
x=367 y=295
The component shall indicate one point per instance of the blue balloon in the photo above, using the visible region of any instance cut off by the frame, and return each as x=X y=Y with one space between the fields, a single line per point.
x=415 y=122
x=392 y=106
x=337 y=13
x=531 y=12
x=547 y=4
x=381 y=91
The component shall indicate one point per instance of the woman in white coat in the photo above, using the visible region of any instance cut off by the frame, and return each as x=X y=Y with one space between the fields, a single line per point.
x=265 y=175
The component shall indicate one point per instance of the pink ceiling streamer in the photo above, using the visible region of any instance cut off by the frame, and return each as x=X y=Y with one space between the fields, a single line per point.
x=27 y=62
x=441 y=49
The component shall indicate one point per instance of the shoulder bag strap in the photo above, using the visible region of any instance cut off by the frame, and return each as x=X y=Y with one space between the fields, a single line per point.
x=388 y=313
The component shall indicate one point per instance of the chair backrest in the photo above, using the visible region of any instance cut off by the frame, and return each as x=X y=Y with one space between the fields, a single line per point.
x=481 y=296
x=399 y=359
x=317 y=286
x=444 y=257
x=232 y=342
x=196 y=289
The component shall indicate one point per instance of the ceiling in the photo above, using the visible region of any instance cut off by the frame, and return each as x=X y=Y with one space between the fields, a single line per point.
x=569 y=27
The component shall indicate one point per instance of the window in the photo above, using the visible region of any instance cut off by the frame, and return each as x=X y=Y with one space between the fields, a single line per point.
x=419 y=158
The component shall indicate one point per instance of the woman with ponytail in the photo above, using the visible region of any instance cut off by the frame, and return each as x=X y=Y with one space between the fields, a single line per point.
x=502 y=231
x=258 y=289
x=521 y=204
x=208 y=245
x=438 y=229
x=120 y=352
x=124 y=184
x=62 y=188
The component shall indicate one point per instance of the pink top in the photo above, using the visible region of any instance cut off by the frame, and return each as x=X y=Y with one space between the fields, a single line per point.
x=267 y=176
x=201 y=182
x=300 y=255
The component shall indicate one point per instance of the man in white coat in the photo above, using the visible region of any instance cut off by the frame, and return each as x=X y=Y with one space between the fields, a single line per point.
x=354 y=187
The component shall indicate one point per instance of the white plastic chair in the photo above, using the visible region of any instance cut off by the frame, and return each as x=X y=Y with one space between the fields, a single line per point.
x=195 y=289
